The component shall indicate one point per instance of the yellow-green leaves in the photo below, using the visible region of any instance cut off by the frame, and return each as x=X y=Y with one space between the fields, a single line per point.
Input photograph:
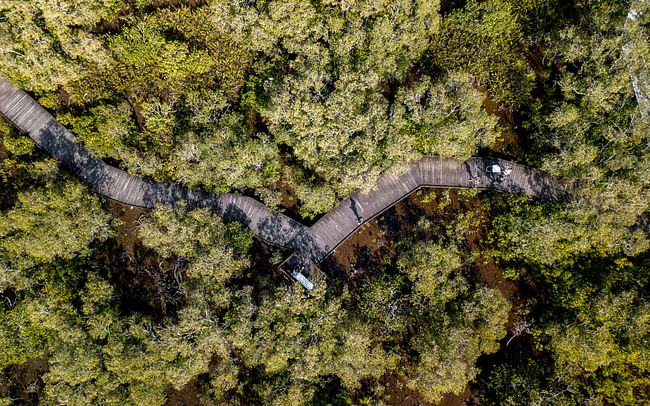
x=55 y=221
x=45 y=44
x=445 y=118
x=486 y=39
x=203 y=240
x=434 y=270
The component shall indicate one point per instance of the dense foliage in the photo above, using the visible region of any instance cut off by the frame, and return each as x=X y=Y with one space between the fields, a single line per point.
x=299 y=104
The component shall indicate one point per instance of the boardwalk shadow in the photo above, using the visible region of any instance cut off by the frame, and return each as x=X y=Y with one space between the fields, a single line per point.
x=74 y=157
x=353 y=207
x=545 y=187
x=273 y=228
x=278 y=230
x=234 y=213
x=165 y=194
x=105 y=179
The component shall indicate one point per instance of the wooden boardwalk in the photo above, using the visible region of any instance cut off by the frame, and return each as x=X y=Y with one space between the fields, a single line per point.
x=309 y=245
x=331 y=230
x=32 y=119
x=339 y=223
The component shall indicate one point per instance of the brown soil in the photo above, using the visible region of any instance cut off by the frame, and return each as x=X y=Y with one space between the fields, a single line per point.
x=508 y=143
x=442 y=211
x=373 y=247
x=187 y=396
x=289 y=205
x=144 y=280
x=449 y=5
x=397 y=394
x=108 y=26
x=367 y=250
x=289 y=198
x=264 y=264
x=23 y=383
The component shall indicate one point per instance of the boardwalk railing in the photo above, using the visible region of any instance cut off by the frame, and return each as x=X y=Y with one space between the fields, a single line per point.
x=309 y=245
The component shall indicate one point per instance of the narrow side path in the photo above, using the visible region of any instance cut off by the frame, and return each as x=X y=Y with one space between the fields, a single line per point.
x=640 y=79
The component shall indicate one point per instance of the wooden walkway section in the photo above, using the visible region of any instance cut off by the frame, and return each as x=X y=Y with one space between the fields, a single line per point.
x=32 y=119
x=331 y=230
x=337 y=225
x=309 y=245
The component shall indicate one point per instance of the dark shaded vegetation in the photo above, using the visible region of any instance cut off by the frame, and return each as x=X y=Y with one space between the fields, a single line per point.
x=144 y=281
x=23 y=383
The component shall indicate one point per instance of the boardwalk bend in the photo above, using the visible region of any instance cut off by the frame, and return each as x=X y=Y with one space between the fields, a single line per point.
x=310 y=245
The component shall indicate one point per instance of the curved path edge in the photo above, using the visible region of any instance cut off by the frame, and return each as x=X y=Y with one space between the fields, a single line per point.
x=311 y=245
